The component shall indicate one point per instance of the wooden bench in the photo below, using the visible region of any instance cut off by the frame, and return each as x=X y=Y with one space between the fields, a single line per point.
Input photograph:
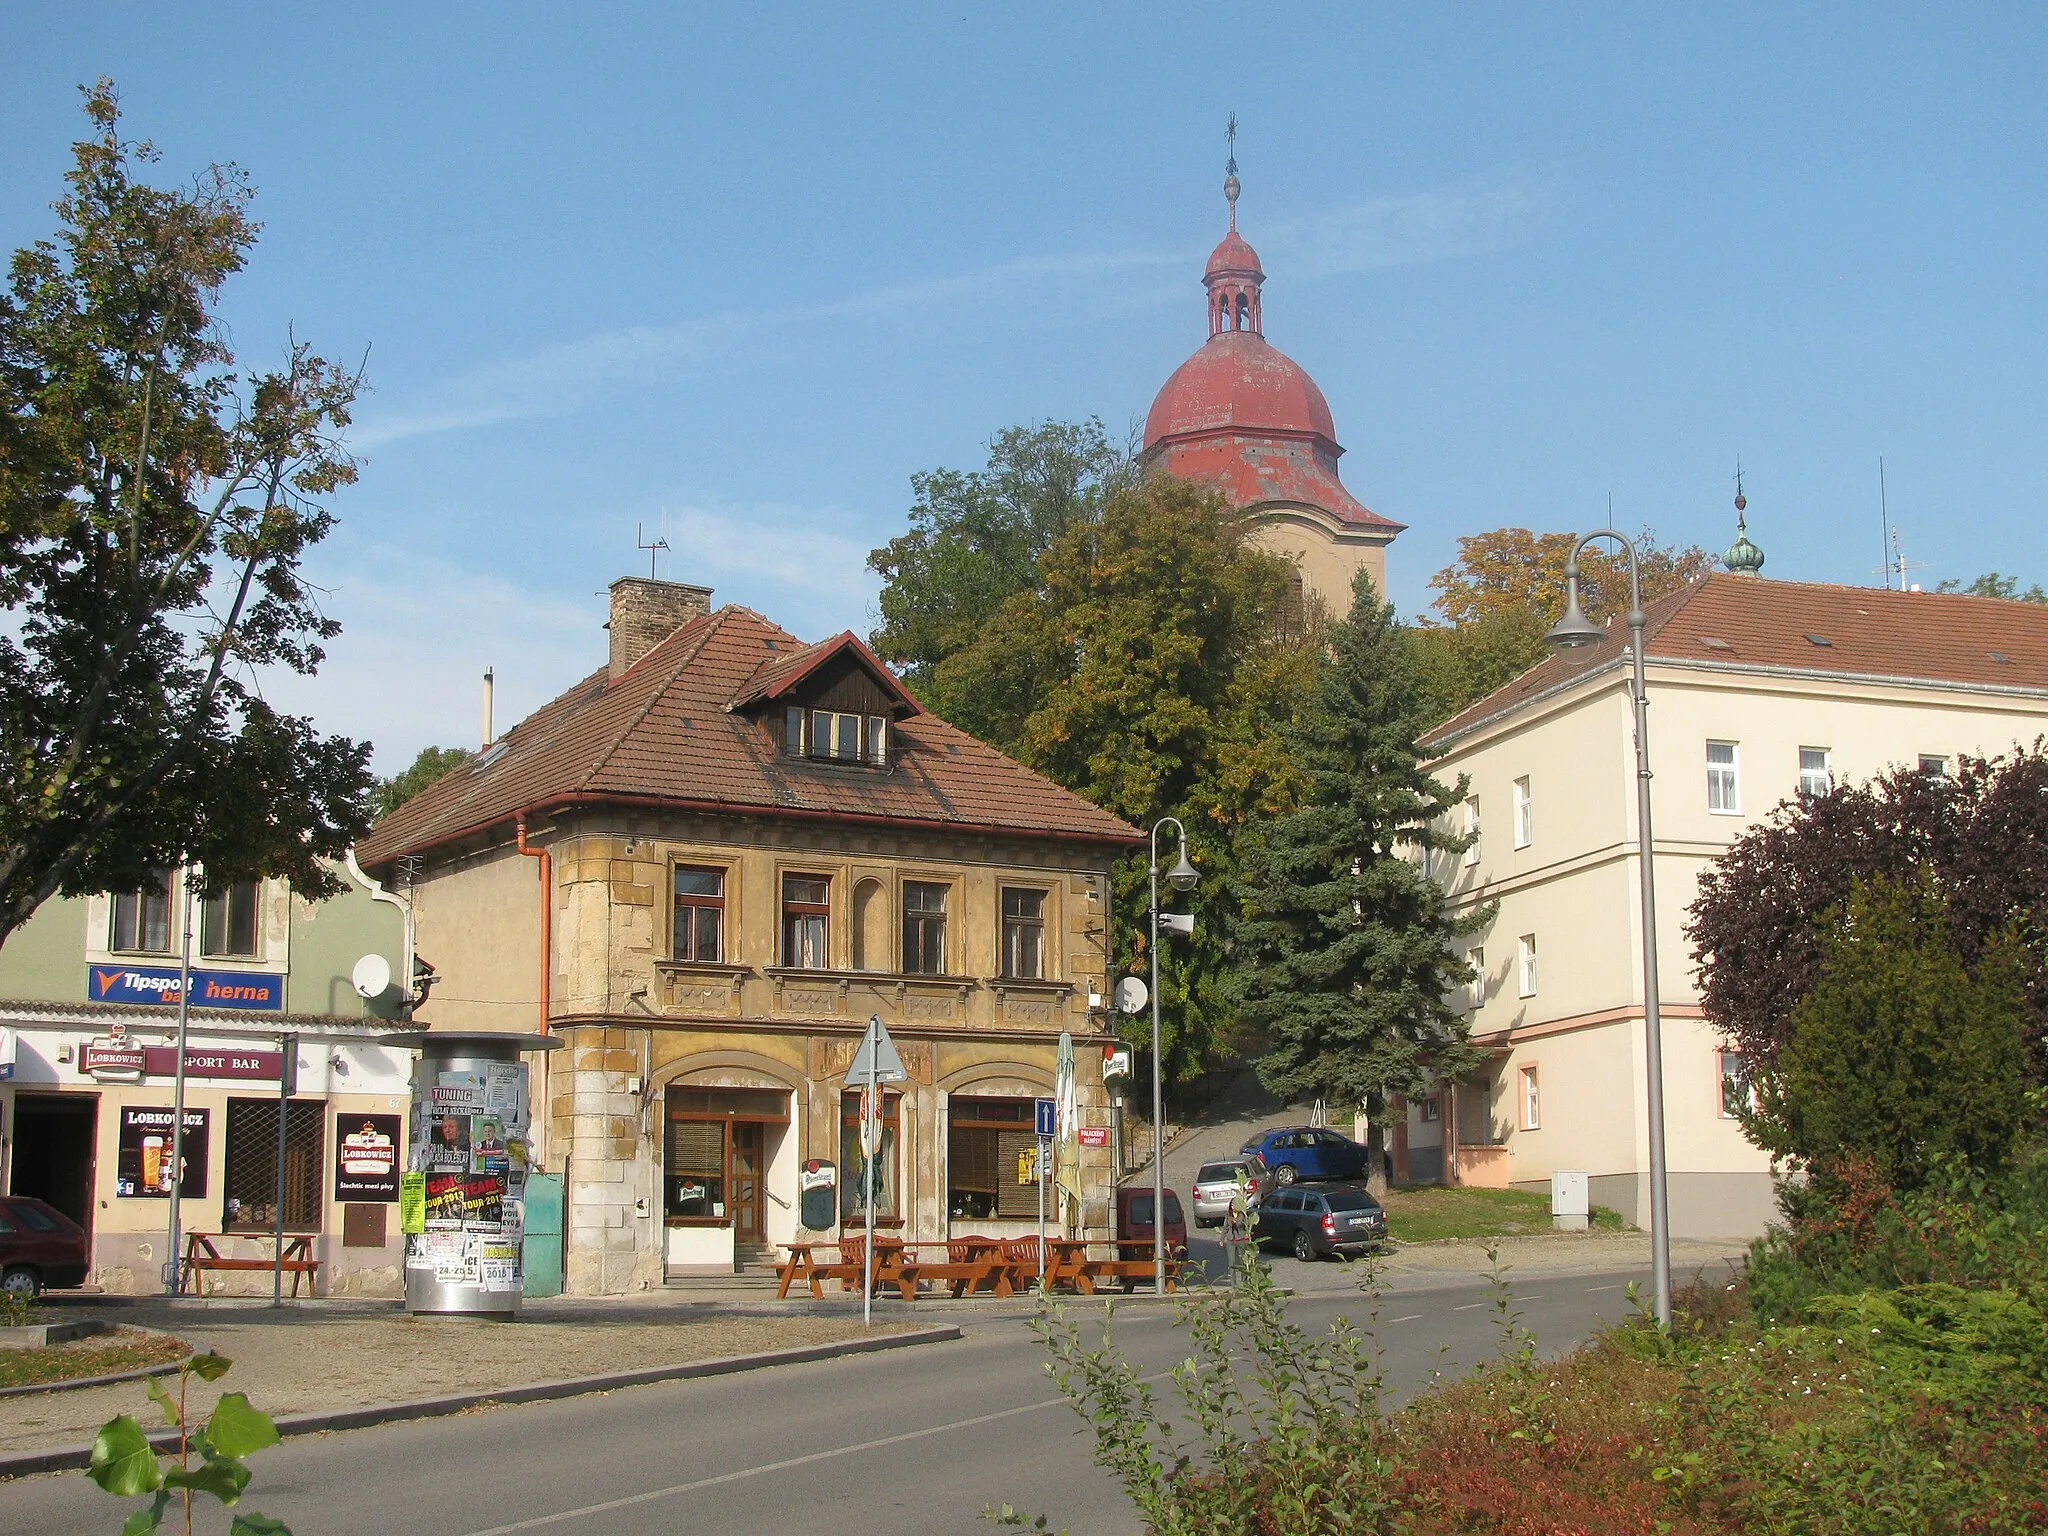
x=1129 y=1269
x=970 y=1263
x=202 y=1258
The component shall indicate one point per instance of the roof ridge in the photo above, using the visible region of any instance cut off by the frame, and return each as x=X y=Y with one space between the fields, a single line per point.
x=714 y=622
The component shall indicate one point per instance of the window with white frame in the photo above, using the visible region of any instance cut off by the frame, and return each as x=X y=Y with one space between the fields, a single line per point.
x=1724 y=779
x=1738 y=1093
x=1477 y=990
x=1527 y=947
x=229 y=922
x=1934 y=767
x=1531 y=1103
x=1525 y=813
x=1816 y=778
x=1472 y=830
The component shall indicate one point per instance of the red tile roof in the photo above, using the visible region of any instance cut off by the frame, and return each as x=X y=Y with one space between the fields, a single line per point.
x=1745 y=623
x=667 y=732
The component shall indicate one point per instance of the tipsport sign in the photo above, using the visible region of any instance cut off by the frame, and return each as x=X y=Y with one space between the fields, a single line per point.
x=248 y=991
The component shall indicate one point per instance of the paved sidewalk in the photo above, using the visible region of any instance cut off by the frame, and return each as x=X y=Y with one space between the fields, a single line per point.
x=323 y=1356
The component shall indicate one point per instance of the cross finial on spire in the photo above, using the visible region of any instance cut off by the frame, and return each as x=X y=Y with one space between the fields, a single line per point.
x=1230 y=185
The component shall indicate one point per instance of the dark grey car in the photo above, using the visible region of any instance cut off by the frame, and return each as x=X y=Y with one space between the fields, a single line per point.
x=1313 y=1222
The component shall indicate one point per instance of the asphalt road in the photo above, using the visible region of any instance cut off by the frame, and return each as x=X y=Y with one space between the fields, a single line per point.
x=912 y=1441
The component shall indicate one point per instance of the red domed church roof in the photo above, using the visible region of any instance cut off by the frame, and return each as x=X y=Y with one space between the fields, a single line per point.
x=1241 y=413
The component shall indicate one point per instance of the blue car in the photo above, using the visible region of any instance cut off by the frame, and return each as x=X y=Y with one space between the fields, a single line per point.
x=1309 y=1152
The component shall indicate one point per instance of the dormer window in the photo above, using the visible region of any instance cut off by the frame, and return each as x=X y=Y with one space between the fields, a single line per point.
x=835 y=736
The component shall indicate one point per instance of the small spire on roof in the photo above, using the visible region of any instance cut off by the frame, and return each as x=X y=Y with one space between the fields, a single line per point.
x=1230 y=183
x=1742 y=557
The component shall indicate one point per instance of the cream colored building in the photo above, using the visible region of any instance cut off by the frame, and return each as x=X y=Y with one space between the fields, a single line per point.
x=1759 y=691
x=705 y=868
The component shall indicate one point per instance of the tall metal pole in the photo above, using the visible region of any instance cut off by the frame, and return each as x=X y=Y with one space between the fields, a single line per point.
x=287 y=1052
x=1158 y=1091
x=1653 y=1024
x=1575 y=629
x=871 y=1139
x=178 y=1097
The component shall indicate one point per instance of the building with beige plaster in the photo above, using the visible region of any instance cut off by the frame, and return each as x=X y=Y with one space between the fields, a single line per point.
x=1759 y=691
x=705 y=868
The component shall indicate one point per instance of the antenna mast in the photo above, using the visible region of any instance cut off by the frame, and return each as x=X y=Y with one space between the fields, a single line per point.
x=640 y=542
x=1884 y=513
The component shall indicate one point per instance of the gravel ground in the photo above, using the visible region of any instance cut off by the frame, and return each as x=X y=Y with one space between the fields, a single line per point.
x=302 y=1359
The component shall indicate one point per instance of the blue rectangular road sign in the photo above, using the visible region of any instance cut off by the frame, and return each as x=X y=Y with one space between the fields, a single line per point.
x=1047 y=1123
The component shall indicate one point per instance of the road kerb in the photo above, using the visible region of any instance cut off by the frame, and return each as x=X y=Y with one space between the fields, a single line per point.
x=60 y=1459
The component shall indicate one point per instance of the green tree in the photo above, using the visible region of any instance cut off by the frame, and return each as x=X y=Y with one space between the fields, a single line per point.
x=432 y=763
x=1344 y=946
x=1902 y=1056
x=1506 y=588
x=1149 y=673
x=155 y=506
x=976 y=537
x=1991 y=584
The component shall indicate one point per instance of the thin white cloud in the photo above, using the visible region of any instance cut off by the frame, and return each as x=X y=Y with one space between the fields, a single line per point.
x=1384 y=232
x=406 y=671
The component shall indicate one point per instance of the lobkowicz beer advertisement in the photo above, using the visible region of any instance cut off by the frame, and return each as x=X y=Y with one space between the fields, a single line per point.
x=463 y=1208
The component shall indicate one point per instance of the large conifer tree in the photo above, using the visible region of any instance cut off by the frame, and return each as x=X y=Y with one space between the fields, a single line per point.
x=1345 y=946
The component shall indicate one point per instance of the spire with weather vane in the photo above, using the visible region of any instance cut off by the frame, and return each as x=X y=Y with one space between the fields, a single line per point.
x=1230 y=184
x=1742 y=558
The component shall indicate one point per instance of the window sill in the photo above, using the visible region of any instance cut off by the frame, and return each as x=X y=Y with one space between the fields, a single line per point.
x=1030 y=984
x=704 y=967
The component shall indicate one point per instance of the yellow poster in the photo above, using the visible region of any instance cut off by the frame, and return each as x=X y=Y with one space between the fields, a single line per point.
x=1027 y=1166
x=412 y=1203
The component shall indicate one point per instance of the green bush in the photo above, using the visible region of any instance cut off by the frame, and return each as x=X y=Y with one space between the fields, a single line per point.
x=1901 y=1057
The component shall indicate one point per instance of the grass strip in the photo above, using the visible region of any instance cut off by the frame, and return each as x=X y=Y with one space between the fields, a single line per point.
x=96 y=1356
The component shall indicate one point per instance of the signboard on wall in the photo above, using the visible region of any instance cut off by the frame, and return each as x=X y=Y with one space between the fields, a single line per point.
x=1094 y=1135
x=258 y=991
x=366 y=1151
x=121 y=1060
x=143 y=1167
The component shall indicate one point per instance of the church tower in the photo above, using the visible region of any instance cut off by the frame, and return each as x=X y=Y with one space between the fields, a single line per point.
x=1243 y=416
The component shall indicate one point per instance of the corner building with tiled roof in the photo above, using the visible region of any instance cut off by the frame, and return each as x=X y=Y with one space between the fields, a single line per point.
x=705 y=867
x=1759 y=691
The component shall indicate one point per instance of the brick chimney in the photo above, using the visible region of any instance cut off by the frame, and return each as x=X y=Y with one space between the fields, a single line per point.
x=646 y=612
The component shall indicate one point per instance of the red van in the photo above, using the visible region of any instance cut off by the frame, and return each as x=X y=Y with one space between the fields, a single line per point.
x=1134 y=1222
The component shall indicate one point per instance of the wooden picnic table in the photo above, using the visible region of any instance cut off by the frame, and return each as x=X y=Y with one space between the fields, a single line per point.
x=202 y=1257
x=968 y=1265
x=849 y=1268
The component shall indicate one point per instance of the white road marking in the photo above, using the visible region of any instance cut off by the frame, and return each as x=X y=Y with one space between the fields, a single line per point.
x=774 y=1466
x=1469 y=1306
x=1411 y=1317
x=1591 y=1288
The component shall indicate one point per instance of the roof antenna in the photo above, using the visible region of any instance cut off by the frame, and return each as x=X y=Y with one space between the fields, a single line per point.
x=1230 y=183
x=1884 y=513
x=658 y=547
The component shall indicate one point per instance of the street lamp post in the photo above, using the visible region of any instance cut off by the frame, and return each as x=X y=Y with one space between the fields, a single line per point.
x=1181 y=877
x=1573 y=632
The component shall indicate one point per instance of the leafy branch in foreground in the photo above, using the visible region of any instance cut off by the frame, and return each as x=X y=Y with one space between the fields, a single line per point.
x=126 y=1465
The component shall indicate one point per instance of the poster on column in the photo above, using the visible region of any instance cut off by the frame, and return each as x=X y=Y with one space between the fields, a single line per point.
x=468 y=1149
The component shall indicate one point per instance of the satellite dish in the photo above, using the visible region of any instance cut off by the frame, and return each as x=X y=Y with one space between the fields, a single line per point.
x=1131 y=995
x=372 y=976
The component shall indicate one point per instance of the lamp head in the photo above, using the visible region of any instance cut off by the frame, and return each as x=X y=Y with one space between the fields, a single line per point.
x=1574 y=631
x=1182 y=876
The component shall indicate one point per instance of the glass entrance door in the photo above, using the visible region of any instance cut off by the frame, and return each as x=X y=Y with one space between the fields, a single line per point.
x=746 y=1181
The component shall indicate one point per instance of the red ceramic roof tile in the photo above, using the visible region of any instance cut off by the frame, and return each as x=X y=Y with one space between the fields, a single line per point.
x=665 y=733
x=1750 y=622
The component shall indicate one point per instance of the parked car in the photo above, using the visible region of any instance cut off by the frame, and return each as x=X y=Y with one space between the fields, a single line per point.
x=1216 y=1186
x=1309 y=1152
x=1314 y=1222
x=1134 y=1221
x=41 y=1248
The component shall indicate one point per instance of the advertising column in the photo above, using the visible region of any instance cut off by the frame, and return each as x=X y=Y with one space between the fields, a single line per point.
x=462 y=1200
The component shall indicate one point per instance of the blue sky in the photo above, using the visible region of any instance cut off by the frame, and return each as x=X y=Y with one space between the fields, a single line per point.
x=739 y=273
